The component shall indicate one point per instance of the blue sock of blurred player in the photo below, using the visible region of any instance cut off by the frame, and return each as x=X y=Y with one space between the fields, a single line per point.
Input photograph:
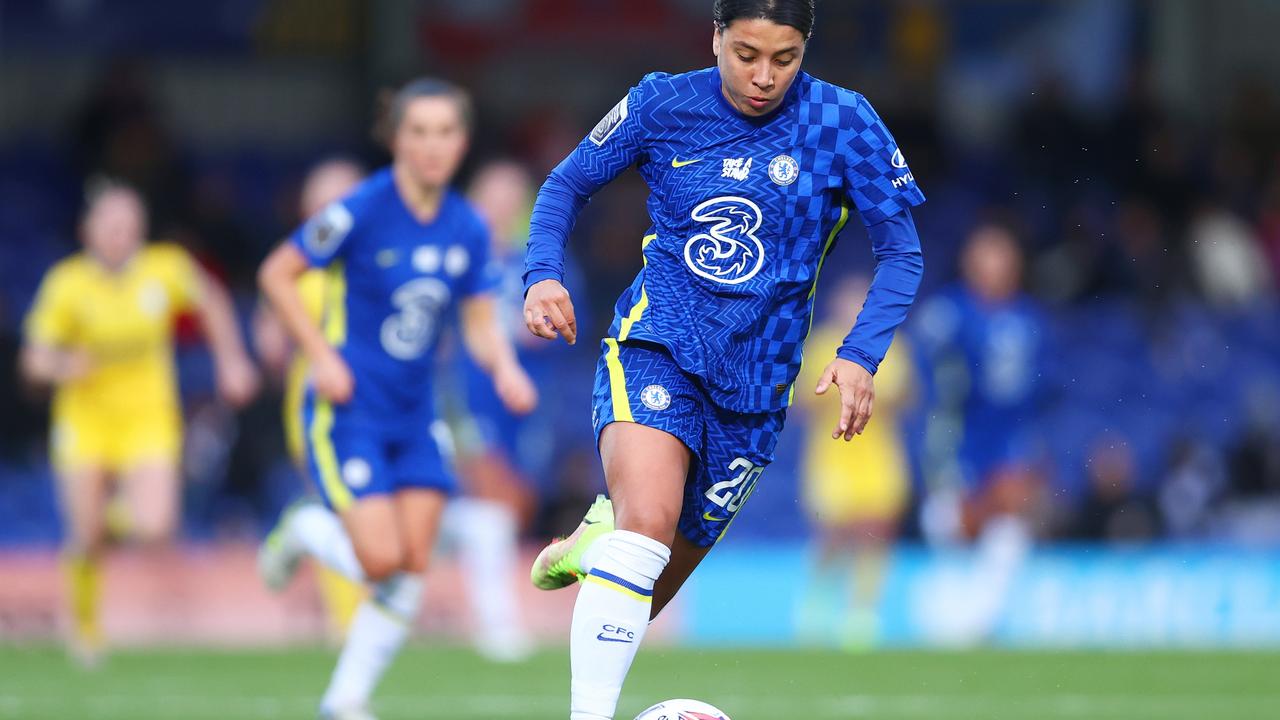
x=609 y=620
x=379 y=629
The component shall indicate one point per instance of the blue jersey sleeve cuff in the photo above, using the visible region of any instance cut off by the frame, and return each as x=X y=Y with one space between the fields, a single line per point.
x=533 y=277
x=855 y=355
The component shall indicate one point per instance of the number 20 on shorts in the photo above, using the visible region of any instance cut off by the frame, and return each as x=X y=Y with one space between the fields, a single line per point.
x=731 y=494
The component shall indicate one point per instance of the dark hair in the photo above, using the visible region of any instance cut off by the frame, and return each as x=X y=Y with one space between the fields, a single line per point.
x=99 y=186
x=796 y=13
x=393 y=105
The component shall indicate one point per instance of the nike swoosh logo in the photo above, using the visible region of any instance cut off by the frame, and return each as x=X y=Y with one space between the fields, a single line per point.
x=707 y=516
x=608 y=638
x=678 y=163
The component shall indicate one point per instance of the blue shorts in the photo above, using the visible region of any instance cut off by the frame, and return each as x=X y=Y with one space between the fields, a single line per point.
x=351 y=456
x=641 y=383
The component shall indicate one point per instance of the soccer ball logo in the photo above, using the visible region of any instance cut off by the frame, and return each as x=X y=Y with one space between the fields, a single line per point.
x=728 y=252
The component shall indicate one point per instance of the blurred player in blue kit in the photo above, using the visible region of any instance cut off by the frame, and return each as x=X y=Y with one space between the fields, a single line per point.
x=500 y=454
x=984 y=340
x=401 y=252
x=754 y=168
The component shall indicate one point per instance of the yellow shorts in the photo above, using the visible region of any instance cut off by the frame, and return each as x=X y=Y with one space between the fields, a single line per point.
x=117 y=442
x=865 y=487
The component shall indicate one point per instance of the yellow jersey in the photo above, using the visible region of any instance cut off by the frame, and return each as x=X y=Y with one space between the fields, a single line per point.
x=126 y=406
x=122 y=320
x=867 y=478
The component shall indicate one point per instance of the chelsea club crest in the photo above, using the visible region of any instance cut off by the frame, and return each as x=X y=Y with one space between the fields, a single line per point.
x=783 y=170
x=655 y=397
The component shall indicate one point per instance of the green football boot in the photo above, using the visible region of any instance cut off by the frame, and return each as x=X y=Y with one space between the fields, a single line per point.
x=560 y=563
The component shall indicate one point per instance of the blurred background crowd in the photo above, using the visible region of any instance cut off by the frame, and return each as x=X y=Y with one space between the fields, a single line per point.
x=1098 y=323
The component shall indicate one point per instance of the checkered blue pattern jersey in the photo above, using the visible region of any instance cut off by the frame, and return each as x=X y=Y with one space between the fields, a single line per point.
x=744 y=211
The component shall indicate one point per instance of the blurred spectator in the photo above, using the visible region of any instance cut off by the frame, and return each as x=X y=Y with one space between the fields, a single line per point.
x=1269 y=222
x=1227 y=259
x=1114 y=510
x=1192 y=487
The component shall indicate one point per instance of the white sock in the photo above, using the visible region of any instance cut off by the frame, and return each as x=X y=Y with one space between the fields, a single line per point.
x=609 y=621
x=486 y=536
x=318 y=531
x=1002 y=548
x=378 y=630
x=594 y=552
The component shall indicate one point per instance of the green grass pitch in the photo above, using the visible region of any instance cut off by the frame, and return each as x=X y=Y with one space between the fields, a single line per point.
x=431 y=682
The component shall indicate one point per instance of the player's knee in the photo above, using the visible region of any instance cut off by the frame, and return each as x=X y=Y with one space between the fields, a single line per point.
x=657 y=523
x=415 y=561
x=381 y=563
x=89 y=546
x=154 y=530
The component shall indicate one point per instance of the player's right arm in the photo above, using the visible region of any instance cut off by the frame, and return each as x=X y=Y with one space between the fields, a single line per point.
x=278 y=280
x=616 y=143
x=48 y=355
x=322 y=240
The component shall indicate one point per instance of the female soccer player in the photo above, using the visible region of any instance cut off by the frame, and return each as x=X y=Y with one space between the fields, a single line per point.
x=326 y=183
x=101 y=333
x=401 y=251
x=753 y=169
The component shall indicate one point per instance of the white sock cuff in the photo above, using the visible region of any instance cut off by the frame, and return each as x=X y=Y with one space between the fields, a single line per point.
x=401 y=595
x=635 y=552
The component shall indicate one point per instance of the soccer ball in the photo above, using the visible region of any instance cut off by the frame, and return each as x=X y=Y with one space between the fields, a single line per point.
x=682 y=710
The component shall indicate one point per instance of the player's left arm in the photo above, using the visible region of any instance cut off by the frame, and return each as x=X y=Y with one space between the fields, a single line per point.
x=236 y=375
x=487 y=343
x=883 y=188
x=483 y=334
x=899 y=267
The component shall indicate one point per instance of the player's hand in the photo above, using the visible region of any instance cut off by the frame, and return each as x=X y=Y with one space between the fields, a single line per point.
x=238 y=381
x=333 y=378
x=857 y=395
x=515 y=388
x=71 y=365
x=548 y=311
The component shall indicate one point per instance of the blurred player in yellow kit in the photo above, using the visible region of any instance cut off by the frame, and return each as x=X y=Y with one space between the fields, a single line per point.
x=101 y=334
x=854 y=493
x=327 y=182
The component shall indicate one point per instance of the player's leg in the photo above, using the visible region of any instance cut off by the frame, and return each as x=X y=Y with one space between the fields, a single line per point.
x=346 y=464
x=1001 y=515
x=871 y=541
x=645 y=470
x=384 y=621
x=83 y=493
x=484 y=531
x=483 y=523
x=648 y=414
x=151 y=495
x=685 y=558
x=340 y=594
x=736 y=448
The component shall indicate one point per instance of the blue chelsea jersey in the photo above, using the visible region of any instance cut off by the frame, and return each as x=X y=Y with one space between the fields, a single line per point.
x=392 y=282
x=744 y=211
